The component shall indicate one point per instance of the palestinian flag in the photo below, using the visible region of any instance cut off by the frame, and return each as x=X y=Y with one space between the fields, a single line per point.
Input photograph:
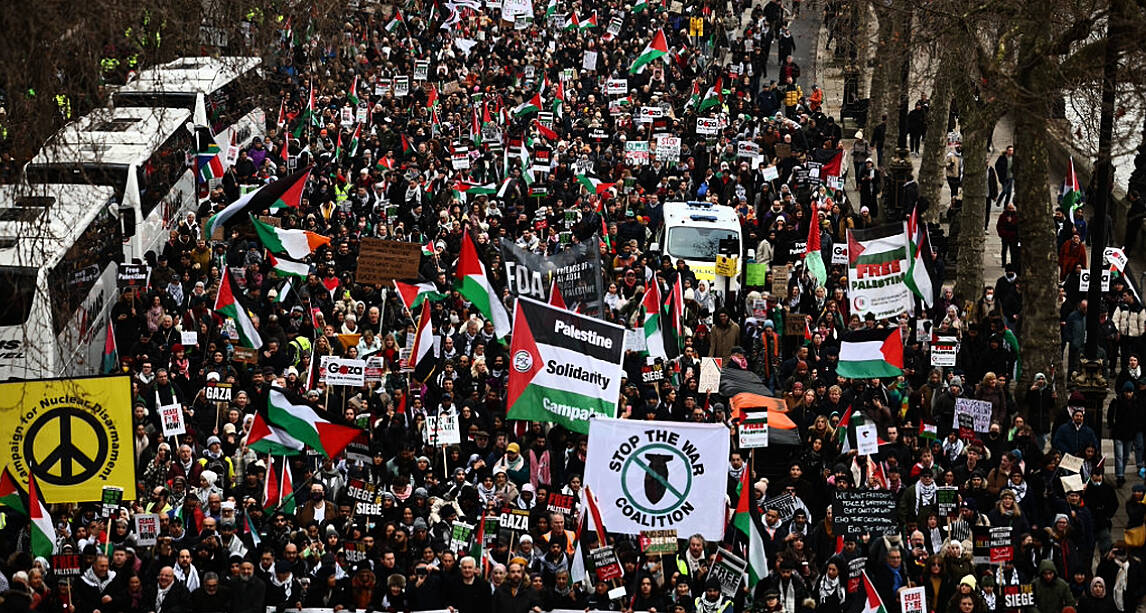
x=713 y=97
x=928 y=431
x=654 y=338
x=813 y=259
x=407 y=150
x=846 y=431
x=266 y=437
x=534 y=105
x=43 y=529
x=316 y=429
x=871 y=353
x=10 y=494
x=545 y=132
x=834 y=166
x=473 y=284
x=566 y=367
x=413 y=295
x=331 y=284
x=555 y=298
x=352 y=96
x=919 y=253
x=210 y=162
x=572 y=23
x=286 y=192
x=550 y=9
x=227 y=302
x=477 y=548
x=424 y=356
x=694 y=99
x=605 y=238
x=746 y=521
x=289 y=268
x=674 y=316
x=559 y=100
x=354 y=140
x=591 y=22
x=295 y=243
x=287 y=502
x=110 y=351
x=871 y=602
x=271 y=491
x=308 y=116
x=281 y=121
x=466 y=189
x=432 y=97
x=657 y=48
x=640 y=6
x=395 y=22
x=1072 y=195
x=594 y=185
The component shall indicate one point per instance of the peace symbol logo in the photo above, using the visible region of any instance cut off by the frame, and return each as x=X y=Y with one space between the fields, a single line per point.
x=65 y=463
x=660 y=474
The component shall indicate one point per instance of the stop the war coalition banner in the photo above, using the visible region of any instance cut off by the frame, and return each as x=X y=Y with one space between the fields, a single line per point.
x=877 y=266
x=651 y=475
x=576 y=269
x=564 y=367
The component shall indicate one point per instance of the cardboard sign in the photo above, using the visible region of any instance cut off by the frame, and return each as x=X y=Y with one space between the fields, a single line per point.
x=443 y=429
x=421 y=69
x=110 y=499
x=658 y=542
x=991 y=545
x=1070 y=463
x=753 y=431
x=171 y=416
x=780 y=276
x=344 y=371
x=839 y=253
x=859 y=511
x=589 y=61
x=219 y=392
x=66 y=565
x=380 y=261
x=189 y=339
x=1014 y=596
x=245 y=355
x=133 y=275
x=913 y=600
x=401 y=86
x=710 y=375
x=867 y=442
x=460 y=533
x=979 y=410
x=947 y=498
x=146 y=529
x=606 y=565
x=367 y=499
x=944 y=351
x=785 y=504
x=637 y=152
x=727 y=266
x=516 y=520
x=728 y=568
x=560 y=503
x=771 y=173
x=709 y=126
x=616 y=87
x=668 y=148
x=795 y=324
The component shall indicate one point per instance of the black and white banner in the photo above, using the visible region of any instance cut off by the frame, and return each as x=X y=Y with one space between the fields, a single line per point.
x=576 y=269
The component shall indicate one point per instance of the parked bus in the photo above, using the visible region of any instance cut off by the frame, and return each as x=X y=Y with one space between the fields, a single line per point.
x=142 y=153
x=223 y=89
x=59 y=245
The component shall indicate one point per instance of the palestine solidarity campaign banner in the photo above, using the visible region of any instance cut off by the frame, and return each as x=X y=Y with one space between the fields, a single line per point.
x=877 y=266
x=651 y=475
x=575 y=269
x=565 y=367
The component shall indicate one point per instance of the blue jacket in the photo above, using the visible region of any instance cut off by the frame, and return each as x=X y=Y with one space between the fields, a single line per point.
x=1072 y=440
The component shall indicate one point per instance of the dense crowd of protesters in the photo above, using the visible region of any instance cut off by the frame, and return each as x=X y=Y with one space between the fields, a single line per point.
x=221 y=548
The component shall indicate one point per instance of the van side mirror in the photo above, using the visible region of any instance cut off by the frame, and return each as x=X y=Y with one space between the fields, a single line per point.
x=127 y=221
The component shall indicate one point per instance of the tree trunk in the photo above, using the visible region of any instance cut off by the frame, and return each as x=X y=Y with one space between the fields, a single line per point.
x=1039 y=260
x=877 y=105
x=934 y=144
x=893 y=80
x=969 y=277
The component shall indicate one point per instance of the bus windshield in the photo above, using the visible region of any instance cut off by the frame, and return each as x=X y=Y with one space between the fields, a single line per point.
x=17 y=291
x=693 y=243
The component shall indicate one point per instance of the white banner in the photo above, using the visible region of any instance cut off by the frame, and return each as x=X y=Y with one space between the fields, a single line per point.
x=343 y=371
x=649 y=475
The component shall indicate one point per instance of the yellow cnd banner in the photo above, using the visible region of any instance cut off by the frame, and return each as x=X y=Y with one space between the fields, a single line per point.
x=74 y=435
